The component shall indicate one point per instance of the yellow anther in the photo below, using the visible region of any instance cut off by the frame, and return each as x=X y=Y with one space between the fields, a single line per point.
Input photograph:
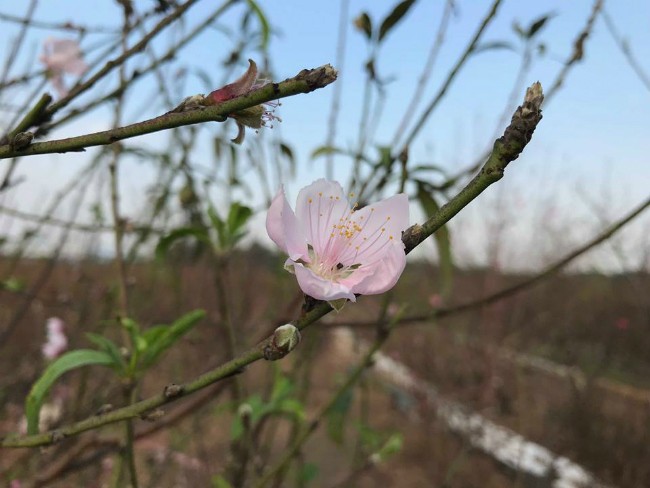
x=310 y=200
x=383 y=229
x=320 y=193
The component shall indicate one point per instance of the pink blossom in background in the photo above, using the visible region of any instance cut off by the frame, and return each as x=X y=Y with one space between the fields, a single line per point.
x=56 y=342
x=435 y=300
x=61 y=56
x=334 y=250
x=622 y=323
x=15 y=484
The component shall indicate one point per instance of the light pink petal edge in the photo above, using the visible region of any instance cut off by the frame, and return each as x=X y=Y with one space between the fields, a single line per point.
x=321 y=289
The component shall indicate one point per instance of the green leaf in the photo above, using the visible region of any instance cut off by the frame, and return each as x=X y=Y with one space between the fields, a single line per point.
x=394 y=17
x=238 y=216
x=12 y=284
x=364 y=24
x=218 y=225
x=161 y=341
x=282 y=388
x=109 y=347
x=538 y=23
x=219 y=481
x=308 y=473
x=325 y=150
x=65 y=363
x=166 y=242
x=392 y=446
x=442 y=238
x=337 y=416
x=264 y=23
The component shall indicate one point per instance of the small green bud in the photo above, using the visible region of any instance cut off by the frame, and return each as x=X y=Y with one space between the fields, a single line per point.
x=22 y=140
x=284 y=340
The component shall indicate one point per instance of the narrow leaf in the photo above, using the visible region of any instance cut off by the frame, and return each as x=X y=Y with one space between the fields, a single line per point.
x=537 y=24
x=442 y=239
x=325 y=150
x=394 y=17
x=166 y=242
x=337 y=416
x=109 y=347
x=264 y=23
x=65 y=363
x=364 y=24
x=164 y=341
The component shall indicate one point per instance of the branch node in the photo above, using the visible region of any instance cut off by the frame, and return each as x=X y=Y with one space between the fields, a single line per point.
x=153 y=415
x=173 y=390
x=22 y=140
x=285 y=339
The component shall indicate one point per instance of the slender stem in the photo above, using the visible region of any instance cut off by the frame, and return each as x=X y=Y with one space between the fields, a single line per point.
x=220 y=272
x=336 y=95
x=32 y=118
x=452 y=74
x=304 y=82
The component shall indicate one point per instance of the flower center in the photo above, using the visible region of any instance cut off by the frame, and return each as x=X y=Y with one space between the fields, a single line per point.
x=327 y=271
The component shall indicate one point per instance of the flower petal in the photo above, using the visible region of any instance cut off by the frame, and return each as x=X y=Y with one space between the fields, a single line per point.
x=282 y=227
x=321 y=289
x=319 y=207
x=386 y=271
x=379 y=224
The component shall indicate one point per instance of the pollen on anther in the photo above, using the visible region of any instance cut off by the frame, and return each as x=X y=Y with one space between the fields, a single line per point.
x=310 y=200
x=320 y=193
x=390 y=237
x=388 y=218
x=383 y=229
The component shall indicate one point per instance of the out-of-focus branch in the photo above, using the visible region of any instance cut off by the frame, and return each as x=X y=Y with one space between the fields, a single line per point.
x=304 y=82
x=626 y=50
x=523 y=285
x=452 y=74
x=578 y=50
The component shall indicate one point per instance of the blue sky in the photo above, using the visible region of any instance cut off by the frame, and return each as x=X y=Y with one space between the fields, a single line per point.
x=592 y=142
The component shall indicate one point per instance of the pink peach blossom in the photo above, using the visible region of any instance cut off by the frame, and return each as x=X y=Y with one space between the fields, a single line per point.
x=62 y=56
x=334 y=250
x=57 y=342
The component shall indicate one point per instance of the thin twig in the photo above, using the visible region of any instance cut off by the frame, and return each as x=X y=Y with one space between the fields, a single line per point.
x=304 y=82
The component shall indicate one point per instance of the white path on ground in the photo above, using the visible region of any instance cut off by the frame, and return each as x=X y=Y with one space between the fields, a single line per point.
x=503 y=444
